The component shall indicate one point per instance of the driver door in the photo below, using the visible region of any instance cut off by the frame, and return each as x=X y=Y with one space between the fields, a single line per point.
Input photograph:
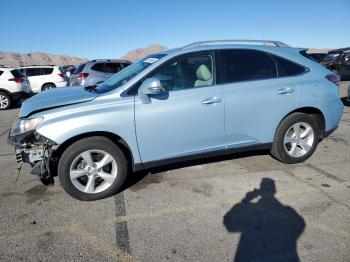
x=187 y=118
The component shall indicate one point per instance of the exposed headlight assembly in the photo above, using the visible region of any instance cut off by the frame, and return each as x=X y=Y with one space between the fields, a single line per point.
x=25 y=125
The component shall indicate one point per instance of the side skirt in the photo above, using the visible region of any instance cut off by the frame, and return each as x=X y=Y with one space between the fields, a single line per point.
x=163 y=162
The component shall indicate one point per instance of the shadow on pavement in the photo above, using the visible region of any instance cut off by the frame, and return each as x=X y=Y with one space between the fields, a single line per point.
x=137 y=177
x=269 y=230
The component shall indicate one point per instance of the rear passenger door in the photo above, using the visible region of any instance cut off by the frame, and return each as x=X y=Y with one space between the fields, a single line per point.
x=256 y=99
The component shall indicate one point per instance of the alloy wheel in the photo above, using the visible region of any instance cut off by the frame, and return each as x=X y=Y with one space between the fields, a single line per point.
x=4 y=102
x=93 y=171
x=299 y=139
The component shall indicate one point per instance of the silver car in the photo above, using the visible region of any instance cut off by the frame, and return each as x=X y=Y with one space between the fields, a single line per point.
x=96 y=71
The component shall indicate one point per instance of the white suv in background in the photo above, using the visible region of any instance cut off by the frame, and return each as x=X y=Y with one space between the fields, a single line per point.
x=44 y=77
x=13 y=87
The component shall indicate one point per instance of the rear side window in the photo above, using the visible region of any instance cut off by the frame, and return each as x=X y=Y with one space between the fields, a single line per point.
x=113 y=67
x=99 y=67
x=33 y=71
x=16 y=73
x=46 y=71
x=288 y=68
x=126 y=64
x=79 y=69
x=246 y=65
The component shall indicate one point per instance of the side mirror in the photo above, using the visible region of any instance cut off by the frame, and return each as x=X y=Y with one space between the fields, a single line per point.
x=150 y=86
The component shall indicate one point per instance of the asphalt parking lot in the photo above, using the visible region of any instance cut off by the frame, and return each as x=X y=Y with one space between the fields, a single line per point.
x=206 y=210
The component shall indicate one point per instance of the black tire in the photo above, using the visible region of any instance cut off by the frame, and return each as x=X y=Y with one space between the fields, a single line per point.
x=278 y=149
x=91 y=143
x=5 y=97
x=48 y=86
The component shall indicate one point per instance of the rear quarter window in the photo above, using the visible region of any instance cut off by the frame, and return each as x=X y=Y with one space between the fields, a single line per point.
x=1 y=72
x=288 y=68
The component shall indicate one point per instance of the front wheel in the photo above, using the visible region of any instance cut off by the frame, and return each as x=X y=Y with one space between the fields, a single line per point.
x=296 y=138
x=92 y=168
x=48 y=86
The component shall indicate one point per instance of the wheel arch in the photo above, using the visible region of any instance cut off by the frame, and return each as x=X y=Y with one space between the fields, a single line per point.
x=48 y=83
x=317 y=113
x=120 y=142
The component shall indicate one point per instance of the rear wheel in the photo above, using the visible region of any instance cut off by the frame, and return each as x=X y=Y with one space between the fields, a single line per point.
x=296 y=138
x=92 y=168
x=48 y=86
x=5 y=101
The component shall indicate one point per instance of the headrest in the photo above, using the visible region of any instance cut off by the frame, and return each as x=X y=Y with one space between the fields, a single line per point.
x=203 y=73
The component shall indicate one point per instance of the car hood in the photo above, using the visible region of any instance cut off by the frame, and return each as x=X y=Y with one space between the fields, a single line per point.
x=55 y=98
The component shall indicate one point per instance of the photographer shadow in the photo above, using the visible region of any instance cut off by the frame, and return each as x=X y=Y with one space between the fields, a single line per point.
x=269 y=230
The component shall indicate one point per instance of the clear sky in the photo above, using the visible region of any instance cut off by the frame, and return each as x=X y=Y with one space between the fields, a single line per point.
x=111 y=28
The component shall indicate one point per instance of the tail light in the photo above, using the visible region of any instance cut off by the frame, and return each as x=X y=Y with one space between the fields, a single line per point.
x=83 y=75
x=333 y=78
x=18 y=80
x=61 y=75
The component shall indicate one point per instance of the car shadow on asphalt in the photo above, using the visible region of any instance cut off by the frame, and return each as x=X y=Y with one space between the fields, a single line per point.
x=269 y=230
x=345 y=101
x=137 y=177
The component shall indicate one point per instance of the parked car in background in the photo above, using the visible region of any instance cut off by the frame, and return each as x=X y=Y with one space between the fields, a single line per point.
x=204 y=99
x=44 y=77
x=68 y=70
x=338 y=61
x=13 y=87
x=318 y=56
x=96 y=71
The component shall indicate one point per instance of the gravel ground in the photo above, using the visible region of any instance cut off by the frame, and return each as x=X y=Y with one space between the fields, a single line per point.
x=205 y=210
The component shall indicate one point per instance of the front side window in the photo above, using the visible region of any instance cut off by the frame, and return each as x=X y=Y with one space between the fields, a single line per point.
x=185 y=72
x=246 y=65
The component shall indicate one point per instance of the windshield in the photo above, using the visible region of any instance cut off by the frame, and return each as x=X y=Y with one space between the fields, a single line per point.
x=128 y=73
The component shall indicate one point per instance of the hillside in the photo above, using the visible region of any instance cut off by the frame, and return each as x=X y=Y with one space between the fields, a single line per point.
x=37 y=58
x=141 y=52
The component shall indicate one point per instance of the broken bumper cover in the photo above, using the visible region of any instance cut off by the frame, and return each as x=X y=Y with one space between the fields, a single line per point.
x=36 y=150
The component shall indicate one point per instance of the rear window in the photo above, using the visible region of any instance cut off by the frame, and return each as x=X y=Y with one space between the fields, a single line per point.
x=79 y=69
x=288 y=68
x=16 y=73
x=247 y=65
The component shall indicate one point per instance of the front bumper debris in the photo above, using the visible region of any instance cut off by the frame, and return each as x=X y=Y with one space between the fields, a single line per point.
x=36 y=150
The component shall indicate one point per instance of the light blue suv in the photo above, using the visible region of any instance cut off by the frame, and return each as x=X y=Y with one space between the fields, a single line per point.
x=207 y=98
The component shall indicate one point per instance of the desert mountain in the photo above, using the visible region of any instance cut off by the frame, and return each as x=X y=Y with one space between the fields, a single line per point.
x=141 y=52
x=18 y=59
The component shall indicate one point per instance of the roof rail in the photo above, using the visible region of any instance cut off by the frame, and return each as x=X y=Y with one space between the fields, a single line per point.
x=265 y=42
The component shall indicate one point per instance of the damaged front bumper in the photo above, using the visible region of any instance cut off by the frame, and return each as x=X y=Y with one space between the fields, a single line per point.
x=36 y=150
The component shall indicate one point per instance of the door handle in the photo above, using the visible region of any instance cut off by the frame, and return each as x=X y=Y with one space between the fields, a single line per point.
x=211 y=100
x=285 y=90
